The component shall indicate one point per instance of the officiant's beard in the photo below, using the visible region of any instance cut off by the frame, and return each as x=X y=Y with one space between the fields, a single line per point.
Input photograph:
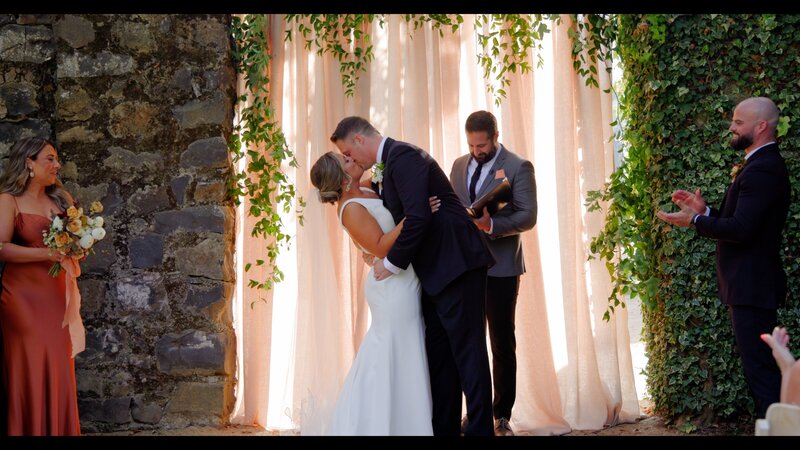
x=484 y=157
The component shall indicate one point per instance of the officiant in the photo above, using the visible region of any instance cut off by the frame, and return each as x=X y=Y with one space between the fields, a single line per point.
x=472 y=176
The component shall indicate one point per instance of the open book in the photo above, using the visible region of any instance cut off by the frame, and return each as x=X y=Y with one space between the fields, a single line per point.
x=495 y=200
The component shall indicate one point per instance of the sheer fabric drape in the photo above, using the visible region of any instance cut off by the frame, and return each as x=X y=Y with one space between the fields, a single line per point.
x=575 y=369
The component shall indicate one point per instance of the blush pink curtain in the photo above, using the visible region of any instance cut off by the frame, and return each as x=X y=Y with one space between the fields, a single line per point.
x=575 y=370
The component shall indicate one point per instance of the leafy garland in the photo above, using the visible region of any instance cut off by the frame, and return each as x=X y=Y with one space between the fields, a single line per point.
x=263 y=180
x=506 y=41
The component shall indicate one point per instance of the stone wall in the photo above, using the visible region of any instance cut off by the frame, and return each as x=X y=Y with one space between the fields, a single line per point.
x=140 y=107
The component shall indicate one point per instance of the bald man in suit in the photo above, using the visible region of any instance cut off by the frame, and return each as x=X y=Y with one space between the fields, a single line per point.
x=748 y=228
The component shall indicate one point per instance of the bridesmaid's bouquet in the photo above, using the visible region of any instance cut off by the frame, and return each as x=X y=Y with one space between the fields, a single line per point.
x=73 y=233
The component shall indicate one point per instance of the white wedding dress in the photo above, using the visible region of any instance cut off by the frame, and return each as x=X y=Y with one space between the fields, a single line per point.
x=387 y=390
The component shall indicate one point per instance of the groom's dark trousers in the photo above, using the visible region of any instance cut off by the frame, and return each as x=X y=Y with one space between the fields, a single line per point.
x=451 y=258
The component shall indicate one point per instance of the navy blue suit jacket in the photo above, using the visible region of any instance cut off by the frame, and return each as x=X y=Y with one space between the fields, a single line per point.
x=440 y=246
x=748 y=228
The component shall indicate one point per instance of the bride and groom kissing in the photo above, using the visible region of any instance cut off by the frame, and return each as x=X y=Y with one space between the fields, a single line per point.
x=426 y=345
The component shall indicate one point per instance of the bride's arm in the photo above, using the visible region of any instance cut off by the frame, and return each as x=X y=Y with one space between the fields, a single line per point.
x=364 y=229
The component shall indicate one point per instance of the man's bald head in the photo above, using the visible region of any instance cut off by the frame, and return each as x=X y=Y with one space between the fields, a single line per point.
x=755 y=121
x=764 y=109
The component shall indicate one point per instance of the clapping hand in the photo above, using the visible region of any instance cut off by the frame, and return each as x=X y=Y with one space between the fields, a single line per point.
x=693 y=201
x=689 y=204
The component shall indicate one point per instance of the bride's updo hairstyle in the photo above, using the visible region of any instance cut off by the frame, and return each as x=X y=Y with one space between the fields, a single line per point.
x=327 y=175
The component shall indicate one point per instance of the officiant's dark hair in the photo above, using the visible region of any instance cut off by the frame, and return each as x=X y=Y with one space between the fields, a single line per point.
x=481 y=121
x=327 y=175
x=350 y=125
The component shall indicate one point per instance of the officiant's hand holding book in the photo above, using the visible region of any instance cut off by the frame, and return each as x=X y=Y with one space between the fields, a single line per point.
x=494 y=200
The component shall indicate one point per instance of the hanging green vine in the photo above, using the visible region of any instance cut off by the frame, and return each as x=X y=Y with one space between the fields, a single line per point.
x=263 y=182
x=505 y=45
x=505 y=40
x=683 y=75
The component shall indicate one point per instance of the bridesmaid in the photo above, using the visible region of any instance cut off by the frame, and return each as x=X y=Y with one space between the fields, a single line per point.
x=38 y=369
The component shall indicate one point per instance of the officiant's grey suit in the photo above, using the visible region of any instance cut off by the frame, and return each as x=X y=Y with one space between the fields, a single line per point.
x=518 y=216
x=505 y=243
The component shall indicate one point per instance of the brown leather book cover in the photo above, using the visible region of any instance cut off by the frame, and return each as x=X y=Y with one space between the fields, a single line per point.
x=494 y=200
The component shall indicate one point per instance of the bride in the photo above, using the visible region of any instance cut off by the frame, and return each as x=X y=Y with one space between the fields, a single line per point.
x=387 y=391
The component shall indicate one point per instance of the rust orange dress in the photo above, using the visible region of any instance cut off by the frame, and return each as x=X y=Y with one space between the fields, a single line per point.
x=38 y=371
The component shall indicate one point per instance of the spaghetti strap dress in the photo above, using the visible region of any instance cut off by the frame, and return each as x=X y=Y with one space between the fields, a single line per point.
x=39 y=392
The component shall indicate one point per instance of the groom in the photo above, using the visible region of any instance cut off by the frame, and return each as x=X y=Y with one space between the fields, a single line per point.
x=451 y=259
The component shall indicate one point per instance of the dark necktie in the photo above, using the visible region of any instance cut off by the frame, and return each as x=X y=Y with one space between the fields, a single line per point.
x=474 y=182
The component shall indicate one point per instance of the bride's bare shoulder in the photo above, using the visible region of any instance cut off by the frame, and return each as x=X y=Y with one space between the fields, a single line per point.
x=346 y=206
x=369 y=193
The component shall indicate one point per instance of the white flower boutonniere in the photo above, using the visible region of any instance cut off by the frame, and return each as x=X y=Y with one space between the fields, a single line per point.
x=377 y=173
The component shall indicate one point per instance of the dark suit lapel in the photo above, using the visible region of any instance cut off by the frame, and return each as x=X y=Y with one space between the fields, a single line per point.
x=387 y=147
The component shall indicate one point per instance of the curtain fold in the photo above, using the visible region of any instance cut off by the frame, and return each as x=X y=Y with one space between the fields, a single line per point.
x=574 y=369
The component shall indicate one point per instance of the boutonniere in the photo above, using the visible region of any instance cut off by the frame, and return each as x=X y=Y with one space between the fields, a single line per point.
x=377 y=173
x=736 y=169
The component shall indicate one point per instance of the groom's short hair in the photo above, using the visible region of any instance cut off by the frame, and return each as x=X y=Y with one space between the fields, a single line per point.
x=350 y=125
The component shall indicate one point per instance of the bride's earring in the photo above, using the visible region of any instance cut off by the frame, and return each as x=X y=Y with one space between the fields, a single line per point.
x=349 y=183
x=31 y=169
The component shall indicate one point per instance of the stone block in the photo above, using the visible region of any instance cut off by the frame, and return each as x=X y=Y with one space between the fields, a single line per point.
x=133 y=119
x=104 y=254
x=74 y=104
x=214 y=192
x=195 y=218
x=211 y=152
x=146 y=251
x=144 y=292
x=112 y=410
x=200 y=296
x=210 y=258
x=11 y=132
x=133 y=36
x=102 y=345
x=80 y=134
x=127 y=164
x=20 y=43
x=193 y=352
x=213 y=111
x=88 y=381
x=178 y=186
x=148 y=199
x=195 y=403
x=93 y=295
x=74 y=30
x=94 y=65
x=19 y=99
x=146 y=412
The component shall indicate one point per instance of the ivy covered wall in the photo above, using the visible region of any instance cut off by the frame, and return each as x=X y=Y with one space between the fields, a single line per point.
x=684 y=74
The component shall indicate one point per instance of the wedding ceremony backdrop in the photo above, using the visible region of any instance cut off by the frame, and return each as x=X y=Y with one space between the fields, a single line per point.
x=173 y=120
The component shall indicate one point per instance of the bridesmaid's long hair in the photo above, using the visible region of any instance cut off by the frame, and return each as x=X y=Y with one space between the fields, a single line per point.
x=16 y=176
